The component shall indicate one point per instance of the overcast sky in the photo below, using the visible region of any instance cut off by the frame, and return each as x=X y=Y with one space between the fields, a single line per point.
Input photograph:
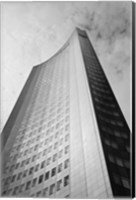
x=32 y=32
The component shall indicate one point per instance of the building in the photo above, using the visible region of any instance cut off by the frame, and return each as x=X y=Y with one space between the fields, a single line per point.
x=67 y=136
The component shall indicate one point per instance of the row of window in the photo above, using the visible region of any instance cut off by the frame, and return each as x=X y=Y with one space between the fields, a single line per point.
x=102 y=96
x=94 y=75
x=44 y=107
x=52 y=189
x=34 y=169
x=48 y=122
x=40 y=136
x=119 y=161
x=57 y=141
x=111 y=143
x=117 y=133
x=38 y=156
x=121 y=181
x=111 y=113
x=105 y=104
x=98 y=89
x=35 y=118
x=46 y=125
x=25 y=135
x=50 y=106
x=111 y=121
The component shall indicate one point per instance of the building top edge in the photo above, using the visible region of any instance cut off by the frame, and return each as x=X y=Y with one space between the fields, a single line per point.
x=78 y=30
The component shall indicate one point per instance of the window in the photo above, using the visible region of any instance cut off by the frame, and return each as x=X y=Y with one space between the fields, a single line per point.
x=28 y=184
x=18 y=147
x=127 y=163
x=57 y=134
x=128 y=149
x=26 y=151
x=125 y=182
x=17 y=165
x=6 y=169
x=38 y=137
x=7 y=180
x=25 y=173
x=27 y=161
x=13 y=178
x=120 y=123
x=31 y=170
x=47 y=175
x=60 y=153
x=51 y=138
x=54 y=157
x=57 y=125
x=34 y=182
x=67 y=127
x=46 y=141
x=48 y=161
x=124 y=135
x=66 y=138
x=52 y=189
x=59 y=167
x=114 y=145
x=66 y=165
x=19 y=175
x=9 y=191
x=39 y=155
x=15 y=190
x=30 y=150
x=12 y=168
x=45 y=190
x=44 y=152
x=36 y=147
x=117 y=133
x=21 y=188
x=37 y=167
x=66 y=180
x=43 y=164
x=59 y=183
x=119 y=162
x=66 y=149
x=116 y=179
x=61 y=140
x=116 y=113
x=38 y=194
x=107 y=142
x=111 y=158
x=55 y=145
x=23 y=163
x=53 y=171
x=34 y=158
x=67 y=110
x=49 y=149
x=67 y=119
x=40 y=179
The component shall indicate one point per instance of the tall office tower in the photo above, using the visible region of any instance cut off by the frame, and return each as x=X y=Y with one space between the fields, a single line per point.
x=67 y=136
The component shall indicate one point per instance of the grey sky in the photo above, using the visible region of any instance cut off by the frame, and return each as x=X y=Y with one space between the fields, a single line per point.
x=34 y=31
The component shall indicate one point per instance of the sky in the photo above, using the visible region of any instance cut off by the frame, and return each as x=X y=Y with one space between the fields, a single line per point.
x=31 y=32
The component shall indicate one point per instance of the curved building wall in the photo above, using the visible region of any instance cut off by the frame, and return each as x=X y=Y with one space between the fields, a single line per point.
x=56 y=146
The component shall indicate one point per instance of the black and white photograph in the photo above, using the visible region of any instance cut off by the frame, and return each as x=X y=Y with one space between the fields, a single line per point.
x=67 y=99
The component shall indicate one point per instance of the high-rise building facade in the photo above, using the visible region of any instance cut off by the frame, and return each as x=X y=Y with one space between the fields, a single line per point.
x=66 y=136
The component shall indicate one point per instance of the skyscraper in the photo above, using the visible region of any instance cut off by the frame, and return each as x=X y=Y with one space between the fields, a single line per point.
x=67 y=136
